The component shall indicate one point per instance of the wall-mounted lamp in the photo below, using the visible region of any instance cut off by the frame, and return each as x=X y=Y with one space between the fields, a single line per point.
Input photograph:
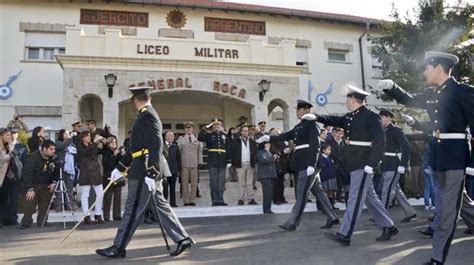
x=110 y=81
x=264 y=86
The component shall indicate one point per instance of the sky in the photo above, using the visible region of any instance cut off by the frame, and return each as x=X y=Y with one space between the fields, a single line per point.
x=378 y=9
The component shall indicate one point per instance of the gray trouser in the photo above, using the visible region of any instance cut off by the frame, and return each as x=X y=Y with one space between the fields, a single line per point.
x=217 y=183
x=362 y=190
x=303 y=185
x=135 y=207
x=322 y=198
x=467 y=211
x=391 y=190
x=451 y=184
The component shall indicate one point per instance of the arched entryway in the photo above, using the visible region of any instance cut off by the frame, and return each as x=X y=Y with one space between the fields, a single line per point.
x=278 y=114
x=91 y=108
x=178 y=106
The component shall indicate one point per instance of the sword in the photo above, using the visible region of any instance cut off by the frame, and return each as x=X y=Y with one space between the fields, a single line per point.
x=155 y=206
x=88 y=212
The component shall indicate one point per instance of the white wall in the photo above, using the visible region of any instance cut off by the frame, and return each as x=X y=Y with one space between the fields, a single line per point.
x=41 y=83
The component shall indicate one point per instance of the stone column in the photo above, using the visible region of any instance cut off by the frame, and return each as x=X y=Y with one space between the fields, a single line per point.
x=111 y=114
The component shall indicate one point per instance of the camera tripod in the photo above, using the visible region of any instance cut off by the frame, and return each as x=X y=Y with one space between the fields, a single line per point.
x=61 y=190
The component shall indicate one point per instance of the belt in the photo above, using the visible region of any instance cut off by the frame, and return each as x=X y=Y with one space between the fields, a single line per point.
x=142 y=152
x=301 y=146
x=358 y=143
x=446 y=136
x=216 y=150
x=390 y=154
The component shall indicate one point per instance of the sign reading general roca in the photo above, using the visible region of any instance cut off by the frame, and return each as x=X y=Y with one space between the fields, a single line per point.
x=115 y=18
x=234 y=26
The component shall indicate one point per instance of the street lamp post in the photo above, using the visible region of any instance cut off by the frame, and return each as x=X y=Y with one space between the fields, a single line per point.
x=110 y=81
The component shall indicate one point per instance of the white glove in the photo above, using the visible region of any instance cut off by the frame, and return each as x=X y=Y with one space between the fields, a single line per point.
x=309 y=117
x=385 y=84
x=116 y=175
x=310 y=171
x=286 y=150
x=401 y=170
x=264 y=138
x=73 y=134
x=470 y=171
x=228 y=165
x=408 y=119
x=209 y=126
x=150 y=183
x=369 y=170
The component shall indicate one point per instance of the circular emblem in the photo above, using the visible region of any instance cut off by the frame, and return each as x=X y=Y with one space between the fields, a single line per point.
x=321 y=99
x=5 y=92
x=176 y=19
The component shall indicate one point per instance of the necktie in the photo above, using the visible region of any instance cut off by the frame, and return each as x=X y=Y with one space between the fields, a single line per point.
x=190 y=138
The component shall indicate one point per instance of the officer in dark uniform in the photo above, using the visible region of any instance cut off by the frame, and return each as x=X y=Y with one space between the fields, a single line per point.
x=396 y=143
x=305 y=136
x=76 y=130
x=218 y=157
x=141 y=164
x=450 y=105
x=365 y=141
x=261 y=129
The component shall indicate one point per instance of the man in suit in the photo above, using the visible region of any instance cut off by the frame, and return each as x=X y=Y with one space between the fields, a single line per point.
x=173 y=157
x=244 y=150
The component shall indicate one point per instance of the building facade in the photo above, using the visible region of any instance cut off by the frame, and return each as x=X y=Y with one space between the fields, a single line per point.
x=203 y=60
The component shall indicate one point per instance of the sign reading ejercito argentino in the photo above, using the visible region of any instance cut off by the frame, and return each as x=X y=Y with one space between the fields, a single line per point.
x=234 y=26
x=115 y=18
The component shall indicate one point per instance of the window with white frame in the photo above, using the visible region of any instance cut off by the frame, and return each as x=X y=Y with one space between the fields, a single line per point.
x=377 y=71
x=43 y=46
x=301 y=56
x=337 y=55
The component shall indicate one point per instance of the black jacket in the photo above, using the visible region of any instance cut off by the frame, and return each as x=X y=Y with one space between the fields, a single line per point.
x=236 y=152
x=395 y=142
x=39 y=171
x=305 y=132
x=109 y=162
x=359 y=125
x=173 y=157
x=451 y=110
x=283 y=160
x=146 y=135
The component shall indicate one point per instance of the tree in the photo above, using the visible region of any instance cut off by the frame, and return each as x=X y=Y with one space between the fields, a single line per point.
x=400 y=45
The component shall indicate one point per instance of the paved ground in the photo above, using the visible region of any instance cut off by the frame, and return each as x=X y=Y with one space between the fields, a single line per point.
x=254 y=239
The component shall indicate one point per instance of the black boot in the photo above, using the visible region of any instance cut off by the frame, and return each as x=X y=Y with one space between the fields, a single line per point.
x=339 y=238
x=112 y=252
x=427 y=232
x=330 y=223
x=288 y=227
x=98 y=219
x=408 y=218
x=433 y=262
x=387 y=233
x=182 y=246
x=87 y=220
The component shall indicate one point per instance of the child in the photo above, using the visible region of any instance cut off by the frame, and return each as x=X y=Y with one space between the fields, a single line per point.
x=328 y=173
